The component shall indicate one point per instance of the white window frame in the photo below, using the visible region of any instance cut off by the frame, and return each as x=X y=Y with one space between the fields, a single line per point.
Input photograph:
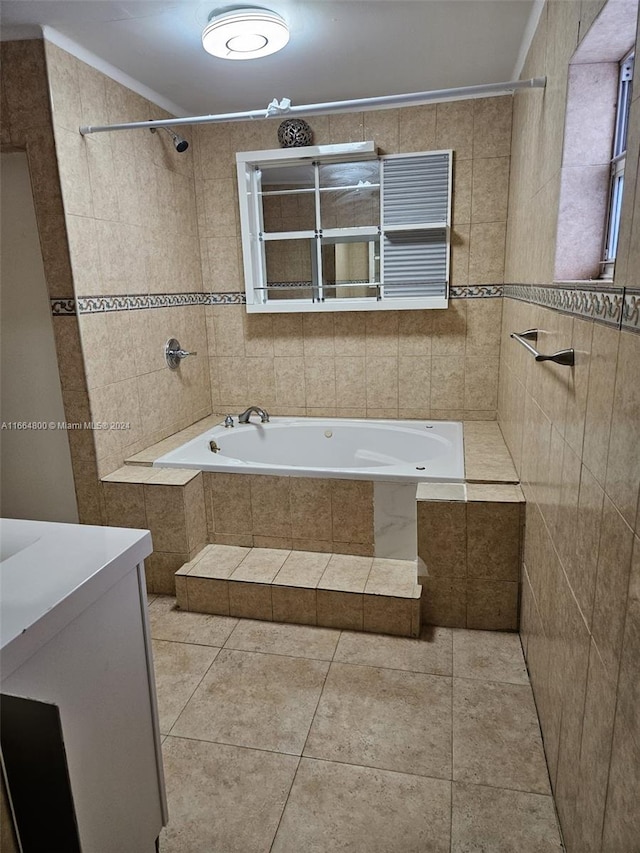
x=253 y=241
x=618 y=162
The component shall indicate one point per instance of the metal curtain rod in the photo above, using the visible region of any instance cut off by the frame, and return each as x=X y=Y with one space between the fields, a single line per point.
x=284 y=108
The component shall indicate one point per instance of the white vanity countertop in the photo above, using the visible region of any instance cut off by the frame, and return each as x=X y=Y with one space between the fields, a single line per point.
x=50 y=573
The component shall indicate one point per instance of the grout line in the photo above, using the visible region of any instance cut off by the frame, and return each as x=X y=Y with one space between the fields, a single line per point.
x=192 y=692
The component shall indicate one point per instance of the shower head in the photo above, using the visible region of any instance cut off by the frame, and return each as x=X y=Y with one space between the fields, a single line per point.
x=180 y=144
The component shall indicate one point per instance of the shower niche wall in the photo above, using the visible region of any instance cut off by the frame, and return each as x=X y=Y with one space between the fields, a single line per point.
x=338 y=228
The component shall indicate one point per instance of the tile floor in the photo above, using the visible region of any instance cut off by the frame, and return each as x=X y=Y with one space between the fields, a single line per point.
x=288 y=738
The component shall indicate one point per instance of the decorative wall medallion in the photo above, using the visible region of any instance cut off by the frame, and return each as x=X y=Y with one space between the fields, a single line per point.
x=294 y=133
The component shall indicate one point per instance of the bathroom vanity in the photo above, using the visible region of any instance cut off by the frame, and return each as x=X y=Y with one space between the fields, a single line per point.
x=80 y=738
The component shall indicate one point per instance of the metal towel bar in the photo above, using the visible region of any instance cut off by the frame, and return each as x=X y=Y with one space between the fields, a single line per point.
x=563 y=356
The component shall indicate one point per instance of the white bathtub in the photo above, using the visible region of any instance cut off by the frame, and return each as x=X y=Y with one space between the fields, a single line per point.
x=329 y=447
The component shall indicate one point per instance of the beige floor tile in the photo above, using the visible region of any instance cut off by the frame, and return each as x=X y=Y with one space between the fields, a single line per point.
x=391 y=577
x=496 y=736
x=431 y=653
x=384 y=718
x=261 y=565
x=346 y=573
x=256 y=700
x=223 y=798
x=179 y=668
x=339 y=807
x=501 y=821
x=302 y=568
x=168 y=622
x=488 y=656
x=218 y=561
x=276 y=639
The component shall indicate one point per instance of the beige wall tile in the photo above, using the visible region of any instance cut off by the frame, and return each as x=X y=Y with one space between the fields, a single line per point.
x=492 y=605
x=166 y=517
x=386 y=615
x=612 y=583
x=454 y=128
x=250 y=600
x=493 y=541
x=442 y=537
x=294 y=605
x=417 y=128
x=486 y=253
x=604 y=356
x=340 y=609
x=352 y=511
x=492 y=127
x=194 y=508
x=623 y=462
x=124 y=503
x=231 y=503
x=290 y=382
x=382 y=382
x=490 y=189
x=447 y=382
x=270 y=506
x=310 y=508
x=160 y=568
x=444 y=602
x=207 y=595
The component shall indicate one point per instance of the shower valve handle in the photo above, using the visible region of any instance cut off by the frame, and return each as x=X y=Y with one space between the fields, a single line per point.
x=174 y=353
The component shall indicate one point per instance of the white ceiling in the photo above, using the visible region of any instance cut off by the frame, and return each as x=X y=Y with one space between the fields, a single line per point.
x=339 y=49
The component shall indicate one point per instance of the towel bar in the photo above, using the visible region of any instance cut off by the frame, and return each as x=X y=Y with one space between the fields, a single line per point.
x=563 y=356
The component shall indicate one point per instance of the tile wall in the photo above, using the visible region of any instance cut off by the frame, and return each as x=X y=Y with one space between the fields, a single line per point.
x=129 y=211
x=415 y=364
x=290 y=512
x=573 y=435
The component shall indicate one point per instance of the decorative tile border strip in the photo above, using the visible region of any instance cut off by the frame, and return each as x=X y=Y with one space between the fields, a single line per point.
x=631 y=310
x=63 y=307
x=475 y=291
x=136 y=302
x=142 y=301
x=593 y=302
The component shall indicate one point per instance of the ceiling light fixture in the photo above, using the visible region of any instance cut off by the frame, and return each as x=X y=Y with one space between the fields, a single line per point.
x=244 y=33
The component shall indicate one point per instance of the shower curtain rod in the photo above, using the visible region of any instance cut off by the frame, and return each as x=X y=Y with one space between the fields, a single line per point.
x=284 y=108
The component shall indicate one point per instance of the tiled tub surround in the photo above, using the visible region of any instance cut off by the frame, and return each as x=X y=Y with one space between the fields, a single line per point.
x=470 y=554
x=330 y=590
x=327 y=517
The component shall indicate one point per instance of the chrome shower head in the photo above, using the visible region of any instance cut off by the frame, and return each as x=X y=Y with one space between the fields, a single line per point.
x=179 y=142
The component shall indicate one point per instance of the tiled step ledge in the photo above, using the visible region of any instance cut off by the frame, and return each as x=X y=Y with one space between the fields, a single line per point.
x=486 y=457
x=330 y=590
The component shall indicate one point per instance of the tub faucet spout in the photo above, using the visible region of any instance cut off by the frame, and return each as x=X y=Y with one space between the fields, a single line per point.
x=244 y=417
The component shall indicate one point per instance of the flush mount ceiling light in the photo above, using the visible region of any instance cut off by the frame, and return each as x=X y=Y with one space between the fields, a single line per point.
x=245 y=34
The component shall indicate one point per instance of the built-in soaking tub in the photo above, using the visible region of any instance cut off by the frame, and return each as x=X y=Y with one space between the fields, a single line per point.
x=374 y=450
x=348 y=486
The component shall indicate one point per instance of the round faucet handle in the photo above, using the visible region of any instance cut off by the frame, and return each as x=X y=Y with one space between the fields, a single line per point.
x=174 y=353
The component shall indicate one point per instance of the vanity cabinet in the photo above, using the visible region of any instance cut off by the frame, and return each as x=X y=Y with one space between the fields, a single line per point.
x=81 y=748
x=339 y=228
